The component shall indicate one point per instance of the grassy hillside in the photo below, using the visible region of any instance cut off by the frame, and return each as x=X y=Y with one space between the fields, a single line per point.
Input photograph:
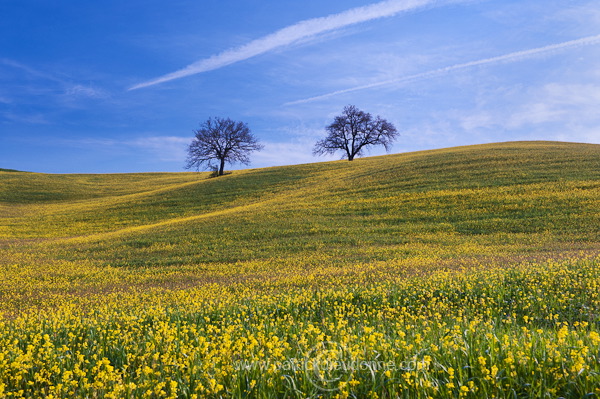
x=391 y=249
x=529 y=197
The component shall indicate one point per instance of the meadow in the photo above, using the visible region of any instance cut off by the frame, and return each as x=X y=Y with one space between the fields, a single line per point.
x=463 y=272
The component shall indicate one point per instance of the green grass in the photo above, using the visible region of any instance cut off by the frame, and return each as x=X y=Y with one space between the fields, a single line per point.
x=452 y=255
x=539 y=194
x=506 y=199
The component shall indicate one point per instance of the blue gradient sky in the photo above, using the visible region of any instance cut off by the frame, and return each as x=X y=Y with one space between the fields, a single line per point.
x=118 y=86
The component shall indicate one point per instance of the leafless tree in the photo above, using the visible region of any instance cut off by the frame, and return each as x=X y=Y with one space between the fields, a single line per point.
x=221 y=140
x=355 y=130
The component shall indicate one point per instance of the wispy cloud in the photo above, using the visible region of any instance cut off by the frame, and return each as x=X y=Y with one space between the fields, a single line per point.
x=30 y=71
x=571 y=104
x=166 y=148
x=74 y=90
x=162 y=148
x=506 y=58
x=29 y=119
x=293 y=34
x=79 y=91
x=282 y=153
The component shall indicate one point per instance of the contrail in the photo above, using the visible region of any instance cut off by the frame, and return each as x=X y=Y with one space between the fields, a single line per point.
x=511 y=57
x=294 y=33
x=31 y=71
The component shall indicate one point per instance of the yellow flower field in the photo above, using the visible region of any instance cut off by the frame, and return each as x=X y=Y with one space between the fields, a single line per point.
x=468 y=272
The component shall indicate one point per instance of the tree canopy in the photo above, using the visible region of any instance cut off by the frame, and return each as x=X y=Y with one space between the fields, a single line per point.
x=221 y=140
x=355 y=130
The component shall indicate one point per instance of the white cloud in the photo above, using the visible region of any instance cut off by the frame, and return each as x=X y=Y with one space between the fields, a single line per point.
x=85 y=91
x=575 y=104
x=582 y=18
x=166 y=148
x=287 y=153
x=275 y=154
x=294 y=34
x=30 y=71
x=90 y=142
x=39 y=87
x=506 y=58
x=162 y=148
x=476 y=121
x=554 y=111
x=30 y=119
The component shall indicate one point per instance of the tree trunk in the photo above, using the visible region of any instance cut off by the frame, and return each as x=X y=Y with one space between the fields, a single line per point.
x=350 y=157
x=222 y=167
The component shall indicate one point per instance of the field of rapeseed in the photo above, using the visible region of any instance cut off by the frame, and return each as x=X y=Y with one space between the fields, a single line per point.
x=468 y=272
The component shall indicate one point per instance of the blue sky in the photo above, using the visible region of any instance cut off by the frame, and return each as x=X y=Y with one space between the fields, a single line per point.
x=119 y=86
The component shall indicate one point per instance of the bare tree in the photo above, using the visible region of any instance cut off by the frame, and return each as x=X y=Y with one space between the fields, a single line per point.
x=353 y=131
x=221 y=140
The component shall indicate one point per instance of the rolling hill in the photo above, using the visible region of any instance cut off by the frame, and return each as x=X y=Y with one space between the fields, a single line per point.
x=421 y=248
x=450 y=206
x=541 y=189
